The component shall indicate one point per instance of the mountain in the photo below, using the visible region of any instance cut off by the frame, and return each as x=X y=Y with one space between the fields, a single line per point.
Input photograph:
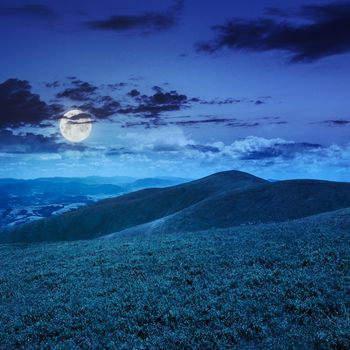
x=128 y=210
x=271 y=202
x=221 y=200
x=48 y=187
x=154 y=182
x=23 y=201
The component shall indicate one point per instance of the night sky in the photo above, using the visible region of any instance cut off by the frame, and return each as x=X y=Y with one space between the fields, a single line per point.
x=176 y=88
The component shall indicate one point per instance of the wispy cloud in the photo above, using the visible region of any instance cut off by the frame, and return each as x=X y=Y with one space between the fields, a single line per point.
x=145 y=23
x=336 y=122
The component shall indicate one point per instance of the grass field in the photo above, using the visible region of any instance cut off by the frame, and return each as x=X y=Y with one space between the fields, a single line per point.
x=277 y=286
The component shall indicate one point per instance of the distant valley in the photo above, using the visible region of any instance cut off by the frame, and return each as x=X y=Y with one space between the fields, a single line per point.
x=24 y=201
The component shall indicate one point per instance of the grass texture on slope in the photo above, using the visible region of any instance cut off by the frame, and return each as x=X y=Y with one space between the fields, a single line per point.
x=277 y=286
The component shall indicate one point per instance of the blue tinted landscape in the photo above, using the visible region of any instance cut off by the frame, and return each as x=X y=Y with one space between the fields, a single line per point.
x=227 y=261
x=174 y=175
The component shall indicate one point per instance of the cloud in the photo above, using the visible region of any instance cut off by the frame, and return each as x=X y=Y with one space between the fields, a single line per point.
x=134 y=93
x=157 y=122
x=117 y=151
x=227 y=101
x=146 y=23
x=116 y=86
x=81 y=91
x=212 y=120
x=204 y=148
x=252 y=148
x=168 y=139
x=317 y=31
x=255 y=148
x=135 y=103
x=233 y=122
x=29 y=143
x=272 y=158
x=19 y=106
x=53 y=85
x=37 y=11
x=155 y=104
x=102 y=108
x=336 y=122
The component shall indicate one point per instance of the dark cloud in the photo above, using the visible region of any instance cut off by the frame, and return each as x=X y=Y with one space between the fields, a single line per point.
x=155 y=104
x=81 y=118
x=19 y=106
x=116 y=86
x=145 y=23
x=54 y=84
x=232 y=122
x=29 y=143
x=318 y=31
x=38 y=11
x=273 y=120
x=134 y=93
x=137 y=104
x=204 y=148
x=156 y=122
x=81 y=91
x=283 y=150
x=243 y=124
x=336 y=122
x=213 y=120
x=102 y=107
x=117 y=152
x=278 y=122
x=227 y=101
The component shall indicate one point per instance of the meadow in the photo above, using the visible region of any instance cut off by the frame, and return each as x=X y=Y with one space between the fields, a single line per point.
x=267 y=286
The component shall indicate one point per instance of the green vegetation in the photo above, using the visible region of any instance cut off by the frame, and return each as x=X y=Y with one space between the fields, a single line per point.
x=276 y=286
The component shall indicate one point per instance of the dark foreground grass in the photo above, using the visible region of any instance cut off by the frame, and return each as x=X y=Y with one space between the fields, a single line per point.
x=284 y=286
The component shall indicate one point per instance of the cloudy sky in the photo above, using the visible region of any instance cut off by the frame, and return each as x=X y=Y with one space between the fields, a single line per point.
x=176 y=87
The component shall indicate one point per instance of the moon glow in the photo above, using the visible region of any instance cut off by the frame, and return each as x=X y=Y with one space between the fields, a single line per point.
x=75 y=126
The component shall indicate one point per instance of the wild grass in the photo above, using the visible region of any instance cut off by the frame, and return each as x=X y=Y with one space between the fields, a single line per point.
x=278 y=286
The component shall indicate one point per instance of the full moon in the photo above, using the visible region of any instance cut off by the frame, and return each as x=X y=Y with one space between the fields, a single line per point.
x=75 y=125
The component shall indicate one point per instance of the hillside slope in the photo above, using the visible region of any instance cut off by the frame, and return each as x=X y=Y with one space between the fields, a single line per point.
x=275 y=286
x=136 y=208
x=272 y=202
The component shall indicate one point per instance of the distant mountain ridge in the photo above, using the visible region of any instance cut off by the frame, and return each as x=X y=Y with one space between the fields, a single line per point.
x=23 y=201
x=220 y=200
